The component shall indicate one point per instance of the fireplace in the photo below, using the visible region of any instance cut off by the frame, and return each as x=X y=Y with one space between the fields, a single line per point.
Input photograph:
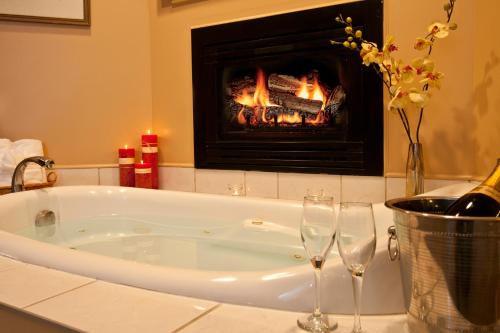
x=273 y=94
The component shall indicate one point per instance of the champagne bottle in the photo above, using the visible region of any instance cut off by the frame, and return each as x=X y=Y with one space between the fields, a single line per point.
x=483 y=200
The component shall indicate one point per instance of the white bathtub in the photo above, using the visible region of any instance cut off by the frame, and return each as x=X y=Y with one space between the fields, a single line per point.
x=229 y=249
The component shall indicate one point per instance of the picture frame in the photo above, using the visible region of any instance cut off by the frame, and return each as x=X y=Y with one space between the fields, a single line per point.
x=73 y=12
x=175 y=3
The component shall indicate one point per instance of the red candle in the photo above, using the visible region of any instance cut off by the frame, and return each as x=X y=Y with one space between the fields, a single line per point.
x=150 y=155
x=126 y=160
x=143 y=175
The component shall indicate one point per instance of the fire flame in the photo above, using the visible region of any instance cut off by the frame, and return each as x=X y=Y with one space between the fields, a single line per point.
x=315 y=93
x=303 y=91
x=260 y=102
x=294 y=118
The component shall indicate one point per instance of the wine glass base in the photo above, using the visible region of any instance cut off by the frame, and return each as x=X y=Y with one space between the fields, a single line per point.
x=317 y=324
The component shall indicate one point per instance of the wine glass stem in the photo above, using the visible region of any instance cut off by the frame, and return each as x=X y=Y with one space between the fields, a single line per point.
x=317 y=287
x=357 y=285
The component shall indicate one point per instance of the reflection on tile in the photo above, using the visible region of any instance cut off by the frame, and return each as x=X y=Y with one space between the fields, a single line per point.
x=176 y=179
x=294 y=186
x=218 y=181
x=395 y=188
x=363 y=188
x=434 y=184
x=232 y=318
x=27 y=284
x=109 y=176
x=67 y=177
x=453 y=189
x=7 y=263
x=107 y=307
x=261 y=184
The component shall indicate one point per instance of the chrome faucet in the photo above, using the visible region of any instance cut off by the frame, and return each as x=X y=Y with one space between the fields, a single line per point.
x=18 y=176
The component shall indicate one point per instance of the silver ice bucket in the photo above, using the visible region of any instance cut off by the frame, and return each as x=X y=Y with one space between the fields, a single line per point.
x=450 y=266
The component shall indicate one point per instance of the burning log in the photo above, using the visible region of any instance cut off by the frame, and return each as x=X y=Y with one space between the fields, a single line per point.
x=237 y=87
x=335 y=100
x=285 y=83
x=295 y=103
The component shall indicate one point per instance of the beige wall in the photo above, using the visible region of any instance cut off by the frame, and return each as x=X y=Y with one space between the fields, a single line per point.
x=483 y=106
x=83 y=91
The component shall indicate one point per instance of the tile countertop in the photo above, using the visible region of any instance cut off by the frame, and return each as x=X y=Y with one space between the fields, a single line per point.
x=90 y=305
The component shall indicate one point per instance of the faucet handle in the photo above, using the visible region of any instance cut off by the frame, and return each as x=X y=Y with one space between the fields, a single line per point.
x=49 y=164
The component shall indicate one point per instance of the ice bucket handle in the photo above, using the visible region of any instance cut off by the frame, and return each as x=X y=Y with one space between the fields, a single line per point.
x=393 y=249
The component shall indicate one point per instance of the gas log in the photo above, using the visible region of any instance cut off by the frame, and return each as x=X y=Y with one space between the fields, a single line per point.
x=296 y=103
x=237 y=87
x=335 y=100
x=234 y=108
x=285 y=83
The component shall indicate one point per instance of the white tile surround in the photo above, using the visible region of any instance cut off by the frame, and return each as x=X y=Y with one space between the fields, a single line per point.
x=277 y=185
x=67 y=177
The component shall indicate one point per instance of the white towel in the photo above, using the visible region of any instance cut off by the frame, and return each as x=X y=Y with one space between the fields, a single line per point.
x=11 y=153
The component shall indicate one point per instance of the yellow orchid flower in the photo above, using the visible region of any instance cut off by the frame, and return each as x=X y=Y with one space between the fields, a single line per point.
x=389 y=45
x=370 y=54
x=433 y=79
x=418 y=97
x=390 y=68
x=399 y=99
x=406 y=73
x=422 y=43
x=423 y=65
x=439 y=30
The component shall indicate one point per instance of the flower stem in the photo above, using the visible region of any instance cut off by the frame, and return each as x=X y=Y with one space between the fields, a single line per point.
x=419 y=122
x=406 y=123
x=449 y=14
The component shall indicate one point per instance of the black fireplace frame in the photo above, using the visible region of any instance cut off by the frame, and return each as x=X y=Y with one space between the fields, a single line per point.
x=360 y=153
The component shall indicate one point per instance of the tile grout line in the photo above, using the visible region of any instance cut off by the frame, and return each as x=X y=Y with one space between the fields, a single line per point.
x=245 y=182
x=277 y=185
x=195 y=319
x=57 y=295
x=194 y=178
x=340 y=188
x=385 y=188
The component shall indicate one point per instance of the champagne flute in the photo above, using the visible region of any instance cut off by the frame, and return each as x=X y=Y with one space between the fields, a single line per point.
x=317 y=230
x=357 y=241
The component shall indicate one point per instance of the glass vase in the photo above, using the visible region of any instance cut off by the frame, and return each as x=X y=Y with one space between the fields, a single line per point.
x=414 y=170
